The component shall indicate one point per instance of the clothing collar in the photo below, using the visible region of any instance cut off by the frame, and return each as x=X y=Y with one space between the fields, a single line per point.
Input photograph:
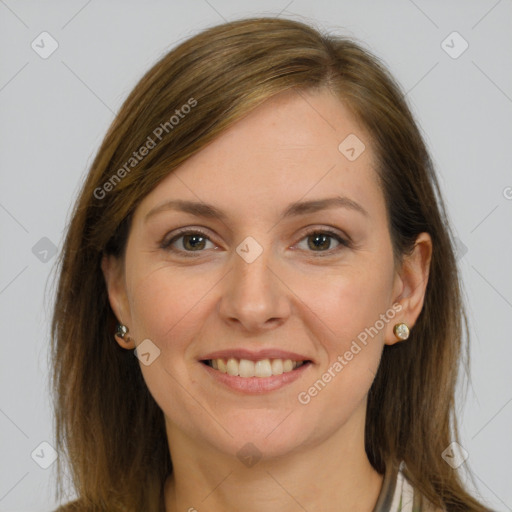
x=387 y=492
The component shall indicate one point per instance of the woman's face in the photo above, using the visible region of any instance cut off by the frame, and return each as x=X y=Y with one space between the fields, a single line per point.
x=293 y=262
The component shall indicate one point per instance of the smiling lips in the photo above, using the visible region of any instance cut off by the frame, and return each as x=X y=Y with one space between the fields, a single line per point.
x=254 y=372
x=247 y=368
x=257 y=376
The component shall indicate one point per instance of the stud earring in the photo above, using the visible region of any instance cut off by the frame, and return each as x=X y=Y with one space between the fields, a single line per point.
x=401 y=331
x=121 y=331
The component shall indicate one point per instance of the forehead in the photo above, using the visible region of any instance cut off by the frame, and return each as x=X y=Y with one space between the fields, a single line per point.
x=296 y=145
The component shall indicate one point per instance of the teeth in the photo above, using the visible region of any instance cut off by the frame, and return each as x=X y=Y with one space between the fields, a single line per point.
x=261 y=368
x=232 y=366
x=221 y=365
x=277 y=367
x=246 y=368
x=287 y=365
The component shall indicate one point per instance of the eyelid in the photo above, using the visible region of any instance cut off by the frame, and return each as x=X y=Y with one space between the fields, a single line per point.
x=343 y=239
x=167 y=241
x=335 y=232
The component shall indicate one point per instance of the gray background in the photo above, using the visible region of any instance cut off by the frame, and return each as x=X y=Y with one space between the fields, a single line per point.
x=55 y=111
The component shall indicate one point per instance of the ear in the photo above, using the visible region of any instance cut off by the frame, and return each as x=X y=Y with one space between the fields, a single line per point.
x=113 y=272
x=410 y=285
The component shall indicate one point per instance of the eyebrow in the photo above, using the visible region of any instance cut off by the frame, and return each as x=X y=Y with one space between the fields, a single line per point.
x=206 y=210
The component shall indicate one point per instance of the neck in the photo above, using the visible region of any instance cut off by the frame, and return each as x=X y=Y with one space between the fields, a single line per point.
x=334 y=476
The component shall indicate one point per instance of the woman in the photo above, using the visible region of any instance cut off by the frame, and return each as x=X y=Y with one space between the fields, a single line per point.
x=262 y=227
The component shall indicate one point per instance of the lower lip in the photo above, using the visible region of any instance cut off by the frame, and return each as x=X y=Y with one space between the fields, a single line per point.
x=257 y=385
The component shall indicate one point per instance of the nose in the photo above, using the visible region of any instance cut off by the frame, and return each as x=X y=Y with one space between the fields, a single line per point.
x=254 y=297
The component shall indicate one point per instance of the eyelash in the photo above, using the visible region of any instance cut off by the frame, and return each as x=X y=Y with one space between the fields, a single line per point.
x=167 y=244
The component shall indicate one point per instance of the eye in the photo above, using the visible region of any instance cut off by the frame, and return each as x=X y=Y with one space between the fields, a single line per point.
x=187 y=241
x=321 y=241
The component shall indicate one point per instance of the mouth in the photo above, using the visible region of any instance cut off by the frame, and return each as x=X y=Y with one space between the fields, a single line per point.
x=250 y=372
x=261 y=368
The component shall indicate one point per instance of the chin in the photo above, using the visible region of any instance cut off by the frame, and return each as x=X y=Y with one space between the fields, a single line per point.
x=266 y=433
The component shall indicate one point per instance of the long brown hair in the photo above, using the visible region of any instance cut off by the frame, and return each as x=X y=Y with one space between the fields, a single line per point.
x=106 y=420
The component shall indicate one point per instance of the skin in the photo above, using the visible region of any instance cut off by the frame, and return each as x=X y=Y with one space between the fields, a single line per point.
x=290 y=298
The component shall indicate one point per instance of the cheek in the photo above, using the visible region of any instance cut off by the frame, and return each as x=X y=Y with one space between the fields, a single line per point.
x=165 y=304
x=352 y=309
x=362 y=301
x=349 y=301
x=355 y=308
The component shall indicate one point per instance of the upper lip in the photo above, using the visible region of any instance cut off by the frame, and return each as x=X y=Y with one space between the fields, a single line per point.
x=241 y=353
